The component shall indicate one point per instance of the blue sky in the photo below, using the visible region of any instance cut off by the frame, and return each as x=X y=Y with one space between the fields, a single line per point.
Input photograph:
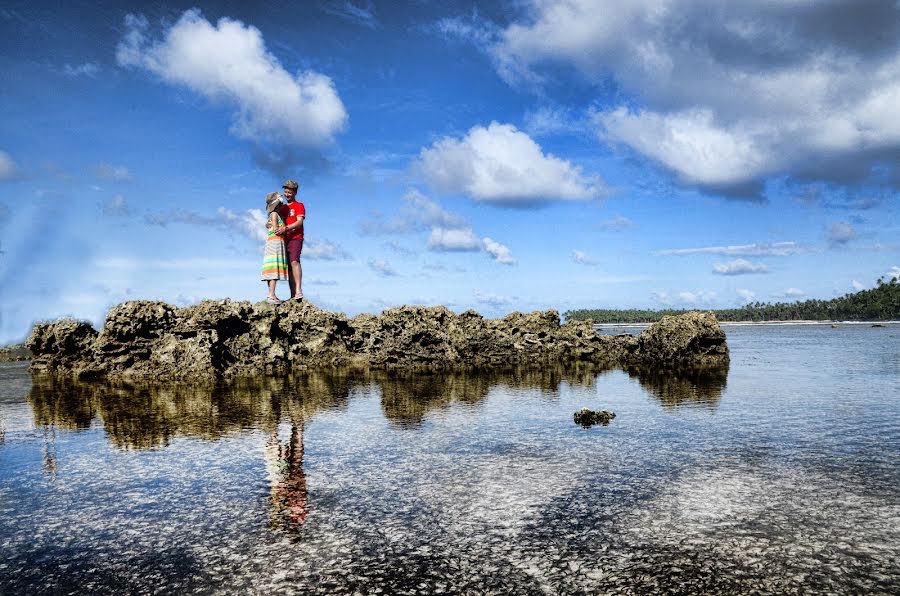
x=499 y=156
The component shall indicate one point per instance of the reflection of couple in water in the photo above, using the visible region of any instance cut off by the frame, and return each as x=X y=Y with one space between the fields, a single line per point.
x=284 y=464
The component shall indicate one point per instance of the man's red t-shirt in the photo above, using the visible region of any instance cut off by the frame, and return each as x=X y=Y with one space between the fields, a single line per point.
x=290 y=213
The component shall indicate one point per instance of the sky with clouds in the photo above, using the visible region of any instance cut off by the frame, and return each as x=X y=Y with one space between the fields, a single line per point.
x=501 y=156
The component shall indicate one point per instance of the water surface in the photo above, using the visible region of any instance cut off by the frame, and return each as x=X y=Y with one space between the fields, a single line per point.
x=777 y=475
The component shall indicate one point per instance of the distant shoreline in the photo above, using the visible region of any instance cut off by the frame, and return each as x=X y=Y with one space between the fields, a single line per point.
x=751 y=323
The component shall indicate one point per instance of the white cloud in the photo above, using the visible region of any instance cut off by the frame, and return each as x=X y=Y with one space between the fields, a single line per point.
x=448 y=232
x=841 y=233
x=689 y=143
x=857 y=286
x=616 y=223
x=229 y=63
x=546 y=121
x=739 y=267
x=251 y=223
x=745 y=296
x=793 y=293
x=580 y=257
x=418 y=213
x=323 y=250
x=112 y=173
x=776 y=249
x=728 y=93
x=382 y=267
x=117 y=206
x=473 y=29
x=458 y=239
x=500 y=164
x=662 y=297
x=87 y=69
x=700 y=297
x=349 y=11
x=489 y=299
x=894 y=273
x=500 y=253
x=8 y=168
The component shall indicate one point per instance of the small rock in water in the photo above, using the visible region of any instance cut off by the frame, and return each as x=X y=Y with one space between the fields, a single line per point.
x=588 y=418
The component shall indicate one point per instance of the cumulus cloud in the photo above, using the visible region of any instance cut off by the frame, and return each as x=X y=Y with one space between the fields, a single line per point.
x=447 y=232
x=841 y=233
x=745 y=296
x=382 y=267
x=502 y=165
x=112 y=173
x=581 y=257
x=500 y=253
x=739 y=267
x=228 y=62
x=894 y=273
x=458 y=239
x=729 y=94
x=857 y=285
x=323 y=250
x=8 y=168
x=776 y=249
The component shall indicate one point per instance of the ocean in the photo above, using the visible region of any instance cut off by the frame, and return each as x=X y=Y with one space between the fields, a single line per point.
x=779 y=474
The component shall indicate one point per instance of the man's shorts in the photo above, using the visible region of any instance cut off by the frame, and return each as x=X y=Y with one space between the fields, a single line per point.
x=294 y=248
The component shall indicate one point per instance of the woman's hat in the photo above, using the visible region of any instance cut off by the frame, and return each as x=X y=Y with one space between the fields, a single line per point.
x=273 y=200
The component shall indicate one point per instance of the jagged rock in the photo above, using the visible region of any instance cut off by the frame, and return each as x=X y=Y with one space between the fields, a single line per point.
x=224 y=338
x=588 y=418
x=691 y=340
x=60 y=345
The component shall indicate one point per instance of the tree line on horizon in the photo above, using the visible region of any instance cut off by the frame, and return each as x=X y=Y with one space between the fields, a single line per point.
x=880 y=303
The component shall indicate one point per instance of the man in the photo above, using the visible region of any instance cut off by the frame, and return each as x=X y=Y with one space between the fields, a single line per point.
x=293 y=213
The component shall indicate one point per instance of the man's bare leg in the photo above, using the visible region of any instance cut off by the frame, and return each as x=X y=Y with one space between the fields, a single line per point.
x=297 y=279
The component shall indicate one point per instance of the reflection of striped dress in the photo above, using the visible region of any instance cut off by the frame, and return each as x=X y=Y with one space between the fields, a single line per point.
x=275 y=261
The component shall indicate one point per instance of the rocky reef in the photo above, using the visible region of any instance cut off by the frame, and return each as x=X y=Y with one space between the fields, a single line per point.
x=221 y=339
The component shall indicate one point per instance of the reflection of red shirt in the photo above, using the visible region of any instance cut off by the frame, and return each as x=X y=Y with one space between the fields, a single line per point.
x=290 y=213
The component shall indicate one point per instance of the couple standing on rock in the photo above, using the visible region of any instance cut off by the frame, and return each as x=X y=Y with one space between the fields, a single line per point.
x=284 y=242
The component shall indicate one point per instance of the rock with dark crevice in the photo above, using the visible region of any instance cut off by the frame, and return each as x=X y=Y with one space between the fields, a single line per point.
x=224 y=338
x=588 y=418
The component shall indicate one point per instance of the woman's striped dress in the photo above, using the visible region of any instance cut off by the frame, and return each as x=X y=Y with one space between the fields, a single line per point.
x=275 y=265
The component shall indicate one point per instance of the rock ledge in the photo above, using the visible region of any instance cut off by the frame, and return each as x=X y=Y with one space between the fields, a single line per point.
x=223 y=338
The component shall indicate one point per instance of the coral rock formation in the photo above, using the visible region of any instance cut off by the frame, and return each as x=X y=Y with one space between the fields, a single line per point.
x=219 y=339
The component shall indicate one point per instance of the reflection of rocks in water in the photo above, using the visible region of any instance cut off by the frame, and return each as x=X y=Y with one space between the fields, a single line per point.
x=143 y=416
x=284 y=464
x=407 y=396
x=674 y=388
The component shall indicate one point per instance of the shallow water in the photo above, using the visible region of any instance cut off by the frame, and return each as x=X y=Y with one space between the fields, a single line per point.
x=777 y=475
